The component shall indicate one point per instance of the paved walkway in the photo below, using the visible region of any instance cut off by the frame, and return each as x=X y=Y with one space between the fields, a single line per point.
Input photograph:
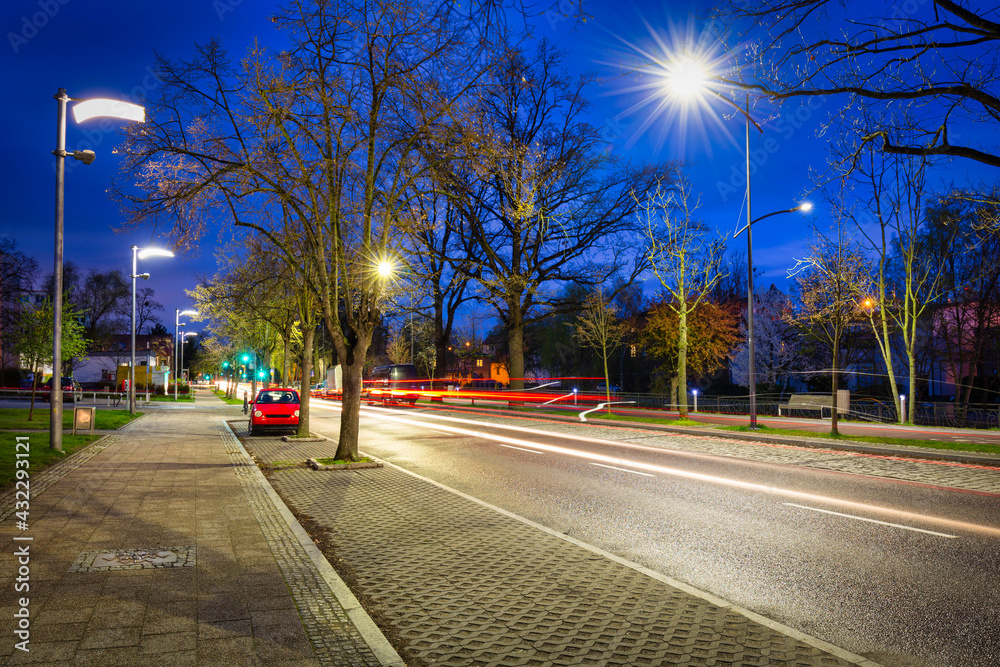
x=463 y=583
x=163 y=544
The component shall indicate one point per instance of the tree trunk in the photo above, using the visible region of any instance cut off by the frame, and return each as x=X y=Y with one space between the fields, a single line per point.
x=350 y=414
x=682 y=355
x=285 y=363
x=607 y=378
x=515 y=345
x=308 y=334
x=833 y=416
x=440 y=351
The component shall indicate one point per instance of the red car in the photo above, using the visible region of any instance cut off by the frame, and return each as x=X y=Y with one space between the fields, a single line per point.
x=274 y=409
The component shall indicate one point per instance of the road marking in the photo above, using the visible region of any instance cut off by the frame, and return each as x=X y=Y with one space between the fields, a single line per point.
x=634 y=472
x=883 y=523
x=441 y=432
x=676 y=472
x=521 y=448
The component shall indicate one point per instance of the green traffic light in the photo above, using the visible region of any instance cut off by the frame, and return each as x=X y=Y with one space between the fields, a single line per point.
x=246 y=357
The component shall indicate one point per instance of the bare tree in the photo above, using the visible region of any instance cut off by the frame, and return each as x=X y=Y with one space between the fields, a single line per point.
x=313 y=148
x=829 y=283
x=542 y=200
x=938 y=59
x=599 y=328
x=686 y=265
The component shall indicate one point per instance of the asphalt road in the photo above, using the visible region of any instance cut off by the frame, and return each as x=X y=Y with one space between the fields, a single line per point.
x=903 y=571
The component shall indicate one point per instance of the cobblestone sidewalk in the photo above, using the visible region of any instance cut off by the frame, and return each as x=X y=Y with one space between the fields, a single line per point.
x=464 y=584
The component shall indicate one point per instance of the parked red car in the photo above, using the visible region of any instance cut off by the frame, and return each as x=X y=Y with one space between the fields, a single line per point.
x=274 y=409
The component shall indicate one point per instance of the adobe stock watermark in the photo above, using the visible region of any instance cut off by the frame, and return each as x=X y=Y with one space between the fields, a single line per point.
x=223 y=7
x=94 y=131
x=786 y=126
x=32 y=23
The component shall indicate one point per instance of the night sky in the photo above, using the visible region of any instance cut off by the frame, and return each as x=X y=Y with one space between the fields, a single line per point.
x=105 y=49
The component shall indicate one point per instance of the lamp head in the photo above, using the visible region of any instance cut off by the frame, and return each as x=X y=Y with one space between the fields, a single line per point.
x=87 y=109
x=144 y=276
x=385 y=268
x=687 y=77
x=805 y=206
x=85 y=157
x=154 y=252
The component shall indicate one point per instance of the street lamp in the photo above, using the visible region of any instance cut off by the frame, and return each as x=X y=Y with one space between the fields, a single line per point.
x=804 y=207
x=181 y=368
x=83 y=110
x=177 y=325
x=136 y=255
x=688 y=78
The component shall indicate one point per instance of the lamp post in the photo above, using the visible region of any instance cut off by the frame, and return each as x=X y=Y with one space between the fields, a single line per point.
x=136 y=255
x=804 y=207
x=688 y=78
x=181 y=367
x=177 y=325
x=83 y=110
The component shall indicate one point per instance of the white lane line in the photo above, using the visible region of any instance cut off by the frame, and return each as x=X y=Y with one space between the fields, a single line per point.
x=521 y=448
x=634 y=472
x=675 y=472
x=441 y=432
x=883 y=523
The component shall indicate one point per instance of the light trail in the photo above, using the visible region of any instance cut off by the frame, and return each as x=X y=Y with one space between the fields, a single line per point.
x=633 y=472
x=686 y=474
x=531 y=451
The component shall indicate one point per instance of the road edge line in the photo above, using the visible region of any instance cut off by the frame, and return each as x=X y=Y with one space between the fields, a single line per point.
x=815 y=642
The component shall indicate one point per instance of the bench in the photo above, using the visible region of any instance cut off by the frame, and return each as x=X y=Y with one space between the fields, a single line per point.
x=821 y=403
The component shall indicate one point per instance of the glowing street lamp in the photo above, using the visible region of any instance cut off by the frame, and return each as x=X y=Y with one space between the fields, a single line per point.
x=90 y=109
x=688 y=78
x=138 y=254
x=177 y=325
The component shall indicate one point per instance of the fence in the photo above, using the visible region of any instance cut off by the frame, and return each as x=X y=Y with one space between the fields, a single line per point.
x=862 y=409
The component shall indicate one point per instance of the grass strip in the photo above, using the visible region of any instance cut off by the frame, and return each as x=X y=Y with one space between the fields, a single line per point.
x=877 y=440
x=17 y=419
x=181 y=398
x=231 y=401
x=40 y=455
x=332 y=461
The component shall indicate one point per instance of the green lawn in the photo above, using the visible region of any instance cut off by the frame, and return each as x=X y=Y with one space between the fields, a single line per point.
x=181 y=398
x=901 y=442
x=230 y=401
x=643 y=420
x=17 y=418
x=40 y=456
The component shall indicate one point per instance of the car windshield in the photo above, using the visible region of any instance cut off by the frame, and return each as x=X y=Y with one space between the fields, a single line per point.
x=278 y=396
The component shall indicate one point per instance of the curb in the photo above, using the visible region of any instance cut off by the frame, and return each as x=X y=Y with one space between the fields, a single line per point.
x=373 y=637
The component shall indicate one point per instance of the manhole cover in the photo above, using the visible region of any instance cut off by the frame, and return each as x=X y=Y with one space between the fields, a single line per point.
x=133 y=559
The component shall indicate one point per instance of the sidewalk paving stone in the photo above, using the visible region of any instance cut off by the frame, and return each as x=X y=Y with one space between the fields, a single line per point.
x=159 y=543
x=460 y=583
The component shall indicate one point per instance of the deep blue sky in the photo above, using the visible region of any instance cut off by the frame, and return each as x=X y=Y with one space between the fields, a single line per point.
x=106 y=49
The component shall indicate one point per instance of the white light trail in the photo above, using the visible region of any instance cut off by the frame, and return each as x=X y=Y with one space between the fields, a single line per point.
x=532 y=451
x=664 y=470
x=634 y=472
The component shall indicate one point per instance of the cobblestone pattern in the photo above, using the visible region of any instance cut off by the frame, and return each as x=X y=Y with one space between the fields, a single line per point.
x=46 y=478
x=939 y=473
x=137 y=559
x=334 y=637
x=464 y=585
